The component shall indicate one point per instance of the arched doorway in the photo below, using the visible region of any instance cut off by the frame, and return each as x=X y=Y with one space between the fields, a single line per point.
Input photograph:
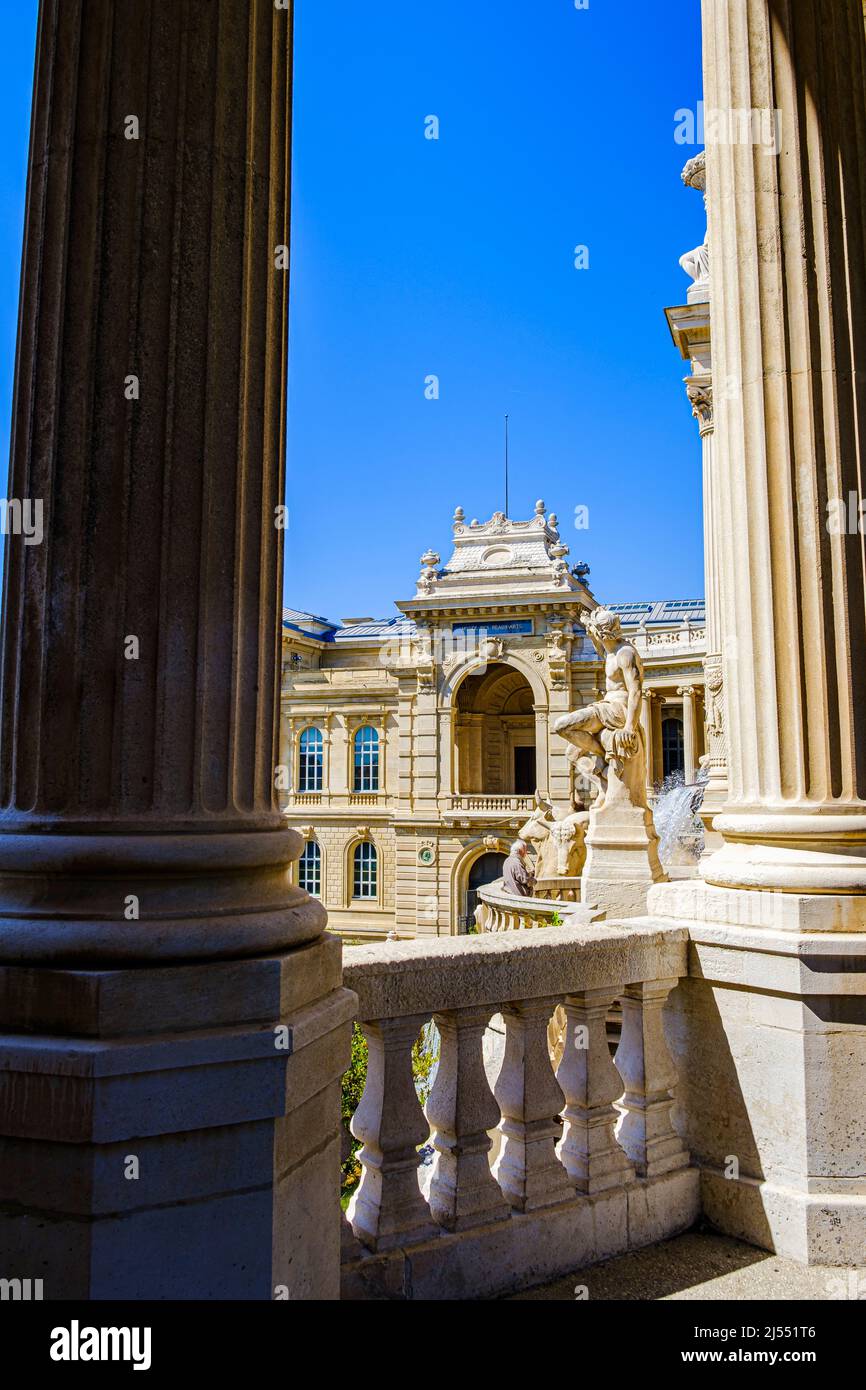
x=495 y=733
x=486 y=869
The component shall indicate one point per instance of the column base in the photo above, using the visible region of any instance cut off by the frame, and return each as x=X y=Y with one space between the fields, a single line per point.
x=790 y=853
x=174 y=1133
x=105 y=898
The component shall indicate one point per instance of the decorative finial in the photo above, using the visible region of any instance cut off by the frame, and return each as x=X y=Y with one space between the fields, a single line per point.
x=459 y=516
x=540 y=507
x=553 y=521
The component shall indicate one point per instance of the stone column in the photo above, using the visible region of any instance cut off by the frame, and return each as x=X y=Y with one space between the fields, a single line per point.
x=691 y=331
x=142 y=848
x=542 y=750
x=789 y=320
x=769 y=1030
x=689 y=698
x=651 y=699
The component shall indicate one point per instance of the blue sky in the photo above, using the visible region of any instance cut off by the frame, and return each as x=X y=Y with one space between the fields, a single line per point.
x=455 y=258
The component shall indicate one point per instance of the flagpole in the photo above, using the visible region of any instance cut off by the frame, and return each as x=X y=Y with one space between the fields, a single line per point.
x=506 y=465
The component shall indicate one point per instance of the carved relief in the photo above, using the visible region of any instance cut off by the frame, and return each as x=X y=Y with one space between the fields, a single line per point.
x=714 y=711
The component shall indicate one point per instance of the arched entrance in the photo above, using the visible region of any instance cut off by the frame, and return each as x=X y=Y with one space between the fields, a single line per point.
x=486 y=869
x=495 y=733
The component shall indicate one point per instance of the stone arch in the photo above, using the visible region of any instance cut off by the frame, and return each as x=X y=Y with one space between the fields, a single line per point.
x=460 y=871
x=495 y=719
x=349 y=848
x=477 y=663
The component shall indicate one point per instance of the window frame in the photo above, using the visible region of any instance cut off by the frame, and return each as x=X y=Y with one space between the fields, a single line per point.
x=317 y=860
x=311 y=760
x=366 y=776
x=365 y=871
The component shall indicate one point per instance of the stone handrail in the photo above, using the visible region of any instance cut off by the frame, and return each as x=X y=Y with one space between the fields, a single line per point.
x=500 y=911
x=506 y=803
x=607 y=1174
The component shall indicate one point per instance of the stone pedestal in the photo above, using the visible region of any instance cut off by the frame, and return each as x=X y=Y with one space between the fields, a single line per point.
x=622 y=861
x=769 y=1038
x=174 y=1133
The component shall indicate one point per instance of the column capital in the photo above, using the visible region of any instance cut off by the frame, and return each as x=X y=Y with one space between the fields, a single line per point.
x=700 y=393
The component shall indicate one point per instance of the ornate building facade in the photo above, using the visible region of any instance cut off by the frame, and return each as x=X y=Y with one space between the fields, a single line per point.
x=412 y=746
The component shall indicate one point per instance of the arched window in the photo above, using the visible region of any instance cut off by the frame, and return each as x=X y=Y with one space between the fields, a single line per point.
x=365 y=870
x=673 y=748
x=310 y=869
x=310 y=761
x=366 y=776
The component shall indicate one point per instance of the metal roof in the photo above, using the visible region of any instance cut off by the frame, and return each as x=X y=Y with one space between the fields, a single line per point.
x=632 y=612
x=377 y=627
x=667 y=610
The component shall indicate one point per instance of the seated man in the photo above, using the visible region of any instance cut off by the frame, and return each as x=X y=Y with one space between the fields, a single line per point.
x=607 y=733
x=517 y=877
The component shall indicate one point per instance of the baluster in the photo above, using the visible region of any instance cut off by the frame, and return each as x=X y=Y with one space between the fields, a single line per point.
x=527 y=1169
x=588 y=1150
x=643 y=1061
x=461 y=1110
x=388 y=1209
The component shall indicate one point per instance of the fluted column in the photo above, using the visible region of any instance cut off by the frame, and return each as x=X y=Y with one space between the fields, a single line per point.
x=691 y=330
x=139 y=687
x=788 y=241
x=650 y=699
x=689 y=695
x=139 y=710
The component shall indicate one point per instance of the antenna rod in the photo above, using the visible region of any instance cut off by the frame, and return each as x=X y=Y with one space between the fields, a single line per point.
x=506 y=465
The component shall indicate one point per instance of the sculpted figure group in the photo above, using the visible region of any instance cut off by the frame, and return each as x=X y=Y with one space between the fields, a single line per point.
x=606 y=738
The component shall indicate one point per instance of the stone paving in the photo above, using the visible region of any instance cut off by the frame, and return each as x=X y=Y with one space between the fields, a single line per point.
x=704 y=1266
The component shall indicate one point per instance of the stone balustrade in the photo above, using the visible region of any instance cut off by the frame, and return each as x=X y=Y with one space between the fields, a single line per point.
x=500 y=911
x=500 y=805
x=588 y=1163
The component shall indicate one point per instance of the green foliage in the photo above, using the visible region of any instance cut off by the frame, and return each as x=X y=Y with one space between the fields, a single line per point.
x=425 y=1054
x=354 y=1081
x=556 y=920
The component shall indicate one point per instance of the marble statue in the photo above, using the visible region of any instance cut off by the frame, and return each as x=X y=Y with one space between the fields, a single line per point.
x=606 y=741
x=696 y=263
x=558 y=841
x=606 y=736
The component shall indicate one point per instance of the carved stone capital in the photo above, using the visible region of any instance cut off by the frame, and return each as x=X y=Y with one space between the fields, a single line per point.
x=700 y=394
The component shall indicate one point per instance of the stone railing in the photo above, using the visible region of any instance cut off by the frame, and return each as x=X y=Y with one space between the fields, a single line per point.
x=500 y=911
x=670 y=640
x=499 y=805
x=588 y=1164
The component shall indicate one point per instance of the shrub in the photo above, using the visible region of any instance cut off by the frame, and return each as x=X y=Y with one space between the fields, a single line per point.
x=425 y=1055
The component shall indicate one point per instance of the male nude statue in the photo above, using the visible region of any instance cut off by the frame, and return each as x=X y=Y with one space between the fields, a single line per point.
x=607 y=733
